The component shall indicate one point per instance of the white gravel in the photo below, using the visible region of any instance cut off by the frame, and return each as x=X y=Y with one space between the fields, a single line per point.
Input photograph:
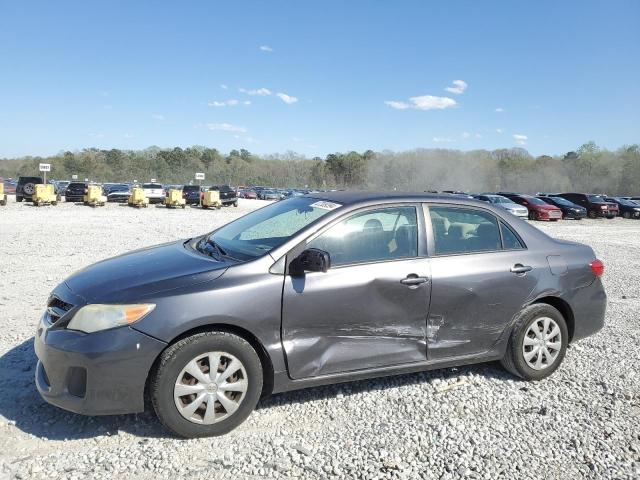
x=475 y=422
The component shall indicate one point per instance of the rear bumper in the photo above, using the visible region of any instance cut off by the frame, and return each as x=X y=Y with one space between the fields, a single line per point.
x=589 y=306
x=102 y=373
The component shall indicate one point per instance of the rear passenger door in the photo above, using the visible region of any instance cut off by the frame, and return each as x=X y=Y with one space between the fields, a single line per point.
x=474 y=292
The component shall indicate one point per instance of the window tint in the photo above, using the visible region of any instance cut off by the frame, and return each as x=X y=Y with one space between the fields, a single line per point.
x=509 y=239
x=463 y=230
x=374 y=235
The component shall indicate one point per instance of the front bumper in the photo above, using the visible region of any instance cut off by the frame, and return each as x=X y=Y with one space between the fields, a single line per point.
x=101 y=373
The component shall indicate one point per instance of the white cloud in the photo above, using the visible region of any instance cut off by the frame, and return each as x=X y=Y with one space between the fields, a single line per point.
x=458 y=87
x=499 y=110
x=423 y=102
x=398 y=105
x=266 y=48
x=499 y=130
x=157 y=116
x=261 y=92
x=247 y=102
x=465 y=135
x=226 y=103
x=224 y=87
x=128 y=135
x=477 y=135
x=226 y=127
x=520 y=138
x=286 y=98
x=442 y=139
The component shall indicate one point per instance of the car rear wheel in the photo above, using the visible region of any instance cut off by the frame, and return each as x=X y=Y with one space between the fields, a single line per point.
x=626 y=215
x=18 y=199
x=538 y=342
x=206 y=384
x=593 y=214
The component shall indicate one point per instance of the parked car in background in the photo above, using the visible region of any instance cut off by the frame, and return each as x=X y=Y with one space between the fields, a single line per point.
x=227 y=195
x=10 y=186
x=61 y=187
x=270 y=194
x=627 y=208
x=538 y=210
x=26 y=187
x=504 y=202
x=458 y=193
x=569 y=209
x=191 y=194
x=117 y=192
x=248 y=193
x=205 y=327
x=596 y=205
x=75 y=192
x=154 y=192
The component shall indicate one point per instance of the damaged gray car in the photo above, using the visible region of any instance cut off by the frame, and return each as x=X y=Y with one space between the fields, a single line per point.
x=313 y=290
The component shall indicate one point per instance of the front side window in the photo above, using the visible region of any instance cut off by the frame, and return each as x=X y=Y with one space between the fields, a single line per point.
x=464 y=230
x=371 y=236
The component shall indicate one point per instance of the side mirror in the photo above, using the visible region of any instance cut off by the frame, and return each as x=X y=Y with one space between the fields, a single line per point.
x=310 y=260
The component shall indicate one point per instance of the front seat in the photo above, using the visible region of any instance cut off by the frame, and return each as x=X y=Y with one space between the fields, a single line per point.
x=373 y=240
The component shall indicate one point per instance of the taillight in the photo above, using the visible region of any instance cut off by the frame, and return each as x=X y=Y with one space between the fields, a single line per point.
x=597 y=267
x=603 y=207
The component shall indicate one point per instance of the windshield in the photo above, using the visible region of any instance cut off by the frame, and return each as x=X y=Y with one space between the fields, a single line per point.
x=499 y=199
x=624 y=201
x=191 y=188
x=596 y=199
x=534 y=201
x=261 y=231
x=562 y=201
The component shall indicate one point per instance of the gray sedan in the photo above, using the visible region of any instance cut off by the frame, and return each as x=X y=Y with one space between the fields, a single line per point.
x=312 y=290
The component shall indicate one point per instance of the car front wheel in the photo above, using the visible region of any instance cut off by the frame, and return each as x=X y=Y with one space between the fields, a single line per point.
x=538 y=342
x=206 y=384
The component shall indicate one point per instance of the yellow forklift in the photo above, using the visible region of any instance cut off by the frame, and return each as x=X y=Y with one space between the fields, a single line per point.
x=94 y=196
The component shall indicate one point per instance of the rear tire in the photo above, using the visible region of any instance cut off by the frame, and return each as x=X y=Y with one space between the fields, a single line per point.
x=592 y=214
x=529 y=336
x=234 y=356
x=626 y=215
x=19 y=199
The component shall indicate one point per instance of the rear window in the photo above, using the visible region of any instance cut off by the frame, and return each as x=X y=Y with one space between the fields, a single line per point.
x=190 y=188
x=30 y=180
x=76 y=185
x=151 y=185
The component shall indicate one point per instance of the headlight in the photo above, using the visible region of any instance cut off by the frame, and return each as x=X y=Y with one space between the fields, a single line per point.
x=95 y=317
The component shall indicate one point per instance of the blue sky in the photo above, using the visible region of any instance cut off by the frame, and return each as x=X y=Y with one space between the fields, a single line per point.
x=318 y=77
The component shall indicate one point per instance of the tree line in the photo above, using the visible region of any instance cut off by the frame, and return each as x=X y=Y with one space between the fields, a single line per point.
x=587 y=169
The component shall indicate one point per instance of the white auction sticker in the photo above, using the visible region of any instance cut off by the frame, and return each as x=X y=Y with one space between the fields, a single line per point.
x=326 y=205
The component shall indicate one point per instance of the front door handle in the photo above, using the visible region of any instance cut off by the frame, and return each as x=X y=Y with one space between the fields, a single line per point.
x=518 y=268
x=413 y=280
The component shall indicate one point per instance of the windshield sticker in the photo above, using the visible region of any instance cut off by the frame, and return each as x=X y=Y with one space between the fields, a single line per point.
x=326 y=205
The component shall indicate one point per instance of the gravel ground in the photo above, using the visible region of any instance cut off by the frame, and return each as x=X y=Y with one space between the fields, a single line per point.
x=474 y=422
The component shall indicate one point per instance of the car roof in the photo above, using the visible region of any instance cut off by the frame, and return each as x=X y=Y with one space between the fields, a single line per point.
x=355 y=197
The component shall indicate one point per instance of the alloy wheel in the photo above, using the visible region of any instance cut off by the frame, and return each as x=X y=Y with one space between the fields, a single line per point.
x=542 y=343
x=210 y=388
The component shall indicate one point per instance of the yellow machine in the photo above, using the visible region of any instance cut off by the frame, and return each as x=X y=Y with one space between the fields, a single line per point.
x=138 y=198
x=44 y=195
x=3 y=196
x=95 y=196
x=211 y=198
x=174 y=199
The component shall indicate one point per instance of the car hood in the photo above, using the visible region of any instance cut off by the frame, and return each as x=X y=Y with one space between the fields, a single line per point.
x=136 y=275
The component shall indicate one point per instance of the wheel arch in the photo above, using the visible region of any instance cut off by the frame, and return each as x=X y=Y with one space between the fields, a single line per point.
x=265 y=359
x=564 y=308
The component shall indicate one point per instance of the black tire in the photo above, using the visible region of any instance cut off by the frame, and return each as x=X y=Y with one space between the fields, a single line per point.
x=532 y=215
x=177 y=356
x=626 y=215
x=514 y=361
x=592 y=214
x=235 y=204
x=19 y=199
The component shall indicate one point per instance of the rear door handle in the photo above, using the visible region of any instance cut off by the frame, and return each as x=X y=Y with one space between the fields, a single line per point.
x=518 y=268
x=413 y=280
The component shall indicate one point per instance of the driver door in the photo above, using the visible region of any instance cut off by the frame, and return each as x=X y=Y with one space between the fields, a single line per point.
x=370 y=308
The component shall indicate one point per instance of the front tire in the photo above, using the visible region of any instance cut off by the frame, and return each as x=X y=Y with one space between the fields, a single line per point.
x=538 y=342
x=193 y=402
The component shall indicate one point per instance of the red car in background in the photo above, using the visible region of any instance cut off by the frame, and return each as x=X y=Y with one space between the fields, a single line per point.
x=538 y=209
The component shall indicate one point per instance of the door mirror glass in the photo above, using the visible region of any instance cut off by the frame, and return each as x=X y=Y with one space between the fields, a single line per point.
x=310 y=260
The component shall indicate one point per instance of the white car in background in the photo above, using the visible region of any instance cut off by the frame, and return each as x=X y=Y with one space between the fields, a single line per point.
x=154 y=192
x=506 y=203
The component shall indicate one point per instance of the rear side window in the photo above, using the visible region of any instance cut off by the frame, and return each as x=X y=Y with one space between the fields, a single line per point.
x=372 y=236
x=510 y=240
x=464 y=230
